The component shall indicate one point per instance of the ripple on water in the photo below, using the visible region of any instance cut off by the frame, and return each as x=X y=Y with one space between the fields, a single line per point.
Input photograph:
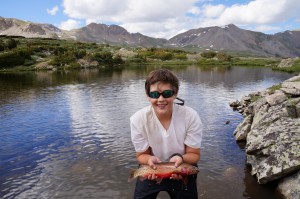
x=72 y=139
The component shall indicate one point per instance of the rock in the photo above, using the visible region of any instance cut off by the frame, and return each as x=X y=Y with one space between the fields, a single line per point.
x=282 y=160
x=289 y=187
x=271 y=128
x=254 y=162
x=260 y=115
x=125 y=54
x=243 y=129
x=262 y=137
x=234 y=104
x=277 y=98
x=292 y=111
x=86 y=63
x=292 y=86
x=245 y=100
x=231 y=174
x=274 y=143
x=293 y=79
x=293 y=107
x=193 y=57
x=255 y=106
x=44 y=66
x=286 y=63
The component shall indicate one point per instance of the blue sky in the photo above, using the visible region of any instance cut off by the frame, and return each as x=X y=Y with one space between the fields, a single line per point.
x=159 y=18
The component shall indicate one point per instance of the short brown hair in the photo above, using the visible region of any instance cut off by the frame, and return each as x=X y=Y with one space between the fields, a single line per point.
x=162 y=75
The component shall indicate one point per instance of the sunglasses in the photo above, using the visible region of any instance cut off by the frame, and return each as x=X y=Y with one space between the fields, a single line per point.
x=165 y=94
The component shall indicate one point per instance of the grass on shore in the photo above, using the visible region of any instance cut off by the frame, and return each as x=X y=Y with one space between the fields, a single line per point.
x=32 y=53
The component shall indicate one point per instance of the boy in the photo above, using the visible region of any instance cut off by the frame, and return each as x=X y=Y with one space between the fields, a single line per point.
x=165 y=131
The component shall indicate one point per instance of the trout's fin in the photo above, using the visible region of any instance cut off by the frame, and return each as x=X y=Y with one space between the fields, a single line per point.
x=158 y=180
x=131 y=176
x=142 y=178
x=185 y=180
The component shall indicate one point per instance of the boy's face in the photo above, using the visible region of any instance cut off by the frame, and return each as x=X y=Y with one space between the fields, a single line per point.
x=163 y=107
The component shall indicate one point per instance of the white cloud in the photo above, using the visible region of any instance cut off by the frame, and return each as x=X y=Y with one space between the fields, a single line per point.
x=150 y=17
x=52 y=11
x=266 y=28
x=258 y=12
x=211 y=11
x=164 y=18
x=195 y=10
x=88 y=21
x=94 y=9
x=69 y=24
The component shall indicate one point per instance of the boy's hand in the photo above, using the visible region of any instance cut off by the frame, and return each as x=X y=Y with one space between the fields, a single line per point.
x=177 y=160
x=151 y=162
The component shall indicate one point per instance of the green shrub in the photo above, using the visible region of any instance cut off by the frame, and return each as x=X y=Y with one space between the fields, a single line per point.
x=15 y=57
x=2 y=46
x=11 y=59
x=136 y=60
x=61 y=60
x=103 y=57
x=118 y=60
x=59 y=50
x=273 y=88
x=80 y=54
x=209 y=54
x=163 y=55
x=10 y=43
x=223 y=57
x=166 y=56
x=28 y=62
x=181 y=56
x=74 y=65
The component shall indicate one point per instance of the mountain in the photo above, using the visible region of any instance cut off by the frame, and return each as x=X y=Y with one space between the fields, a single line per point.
x=232 y=38
x=10 y=26
x=99 y=33
x=114 y=34
x=291 y=39
x=227 y=38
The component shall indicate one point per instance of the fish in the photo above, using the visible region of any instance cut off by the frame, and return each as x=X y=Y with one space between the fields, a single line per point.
x=163 y=170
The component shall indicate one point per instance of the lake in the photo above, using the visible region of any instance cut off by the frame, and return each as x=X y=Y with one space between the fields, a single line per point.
x=66 y=134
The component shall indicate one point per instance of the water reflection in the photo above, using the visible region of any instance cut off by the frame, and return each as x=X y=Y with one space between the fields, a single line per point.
x=66 y=134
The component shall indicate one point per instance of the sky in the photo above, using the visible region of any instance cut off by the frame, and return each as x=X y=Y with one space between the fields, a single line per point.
x=159 y=18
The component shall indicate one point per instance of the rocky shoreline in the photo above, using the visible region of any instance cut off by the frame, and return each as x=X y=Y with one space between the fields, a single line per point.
x=271 y=129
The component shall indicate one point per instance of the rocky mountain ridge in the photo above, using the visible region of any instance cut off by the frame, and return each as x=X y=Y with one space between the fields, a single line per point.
x=113 y=34
x=15 y=27
x=226 y=38
x=232 y=38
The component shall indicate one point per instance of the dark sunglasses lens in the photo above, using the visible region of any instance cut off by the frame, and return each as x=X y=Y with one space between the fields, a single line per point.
x=167 y=93
x=154 y=94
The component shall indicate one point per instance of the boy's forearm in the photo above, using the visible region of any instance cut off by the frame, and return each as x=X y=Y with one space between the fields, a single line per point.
x=191 y=158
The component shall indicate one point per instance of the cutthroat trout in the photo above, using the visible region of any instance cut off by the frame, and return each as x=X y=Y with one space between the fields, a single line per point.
x=164 y=170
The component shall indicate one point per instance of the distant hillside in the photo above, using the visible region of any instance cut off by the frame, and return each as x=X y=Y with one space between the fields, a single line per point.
x=228 y=38
x=10 y=26
x=99 y=33
x=114 y=34
x=232 y=38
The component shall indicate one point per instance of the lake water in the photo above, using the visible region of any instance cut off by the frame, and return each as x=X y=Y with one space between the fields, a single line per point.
x=66 y=134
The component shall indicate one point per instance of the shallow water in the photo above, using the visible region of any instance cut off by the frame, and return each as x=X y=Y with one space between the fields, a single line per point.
x=67 y=135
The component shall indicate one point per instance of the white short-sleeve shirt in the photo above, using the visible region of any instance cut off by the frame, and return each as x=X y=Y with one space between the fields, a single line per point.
x=185 y=129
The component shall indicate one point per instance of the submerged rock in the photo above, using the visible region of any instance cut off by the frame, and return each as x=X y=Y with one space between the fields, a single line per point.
x=271 y=129
x=289 y=186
